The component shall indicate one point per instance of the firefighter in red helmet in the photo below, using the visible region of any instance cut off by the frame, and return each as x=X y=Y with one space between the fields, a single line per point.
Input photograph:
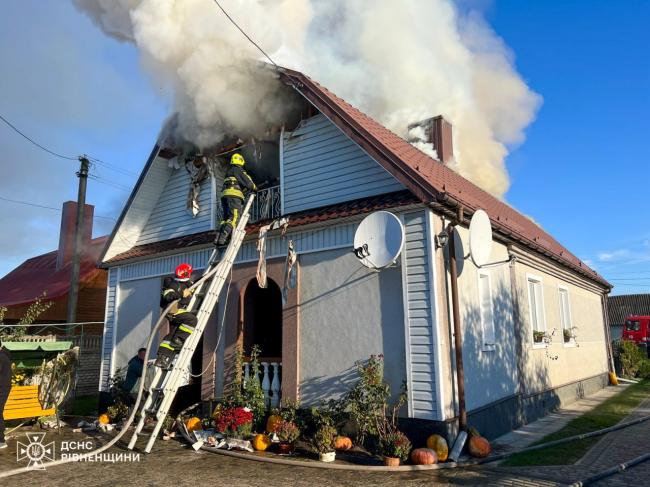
x=181 y=321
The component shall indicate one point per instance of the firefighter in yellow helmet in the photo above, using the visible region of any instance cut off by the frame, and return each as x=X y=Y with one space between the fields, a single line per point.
x=235 y=182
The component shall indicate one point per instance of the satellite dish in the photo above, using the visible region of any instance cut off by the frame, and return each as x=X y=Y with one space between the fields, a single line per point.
x=480 y=238
x=379 y=240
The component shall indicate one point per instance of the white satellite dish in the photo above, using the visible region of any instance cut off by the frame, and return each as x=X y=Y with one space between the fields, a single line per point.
x=480 y=238
x=379 y=240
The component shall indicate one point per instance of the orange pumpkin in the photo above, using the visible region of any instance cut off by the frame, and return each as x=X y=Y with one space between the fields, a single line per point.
x=342 y=443
x=423 y=456
x=104 y=419
x=479 y=447
x=261 y=442
x=438 y=444
x=193 y=424
x=273 y=422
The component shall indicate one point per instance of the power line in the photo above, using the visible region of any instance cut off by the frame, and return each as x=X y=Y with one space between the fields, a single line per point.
x=246 y=35
x=36 y=143
x=47 y=207
x=112 y=167
x=108 y=182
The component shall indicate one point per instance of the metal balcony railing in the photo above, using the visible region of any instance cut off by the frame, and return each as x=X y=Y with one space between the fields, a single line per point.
x=266 y=205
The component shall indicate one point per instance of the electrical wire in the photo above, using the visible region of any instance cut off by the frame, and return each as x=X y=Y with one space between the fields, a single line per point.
x=111 y=167
x=47 y=207
x=246 y=35
x=13 y=127
x=108 y=182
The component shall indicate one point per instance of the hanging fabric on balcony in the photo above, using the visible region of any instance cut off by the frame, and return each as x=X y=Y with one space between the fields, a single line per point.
x=261 y=263
x=197 y=168
x=289 y=272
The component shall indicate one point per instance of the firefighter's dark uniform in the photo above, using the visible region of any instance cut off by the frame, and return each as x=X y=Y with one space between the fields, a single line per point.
x=5 y=386
x=235 y=182
x=181 y=321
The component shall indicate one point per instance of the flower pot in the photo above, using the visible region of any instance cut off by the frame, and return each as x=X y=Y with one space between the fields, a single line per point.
x=391 y=461
x=285 y=448
x=327 y=457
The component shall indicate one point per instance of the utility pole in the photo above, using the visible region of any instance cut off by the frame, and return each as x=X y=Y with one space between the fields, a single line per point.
x=82 y=174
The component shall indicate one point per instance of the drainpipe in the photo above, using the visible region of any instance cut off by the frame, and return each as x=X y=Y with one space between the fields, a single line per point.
x=608 y=332
x=458 y=339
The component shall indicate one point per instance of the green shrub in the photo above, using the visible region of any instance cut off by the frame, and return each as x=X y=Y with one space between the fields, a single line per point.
x=644 y=369
x=630 y=357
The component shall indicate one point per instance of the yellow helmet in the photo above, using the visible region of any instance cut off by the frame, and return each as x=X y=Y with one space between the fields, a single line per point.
x=237 y=160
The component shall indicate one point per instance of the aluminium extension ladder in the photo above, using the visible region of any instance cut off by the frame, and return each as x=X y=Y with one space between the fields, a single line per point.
x=166 y=383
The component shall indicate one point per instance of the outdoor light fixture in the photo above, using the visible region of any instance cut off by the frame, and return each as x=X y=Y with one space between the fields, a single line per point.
x=441 y=239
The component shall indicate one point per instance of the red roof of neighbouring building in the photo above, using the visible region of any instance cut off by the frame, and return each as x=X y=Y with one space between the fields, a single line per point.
x=40 y=274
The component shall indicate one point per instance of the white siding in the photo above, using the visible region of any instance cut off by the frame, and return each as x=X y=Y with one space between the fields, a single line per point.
x=109 y=330
x=170 y=217
x=419 y=319
x=322 y=166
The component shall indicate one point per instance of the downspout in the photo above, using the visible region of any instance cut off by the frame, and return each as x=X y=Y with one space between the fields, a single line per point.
x=608 y=331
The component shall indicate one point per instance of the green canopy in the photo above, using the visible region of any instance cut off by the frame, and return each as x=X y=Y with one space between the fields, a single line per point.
x=30 y=355
x=34 y=346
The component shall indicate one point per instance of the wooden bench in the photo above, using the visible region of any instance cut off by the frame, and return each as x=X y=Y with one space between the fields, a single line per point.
x=23 y=403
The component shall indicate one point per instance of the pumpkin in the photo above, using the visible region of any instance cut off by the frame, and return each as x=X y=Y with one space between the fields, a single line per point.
x=261 y=442
x=423 y=456
x=193 y=424
x=104 y=419
x=342 y=443
x=273 y=422
x=479 y=447
x=438 y=444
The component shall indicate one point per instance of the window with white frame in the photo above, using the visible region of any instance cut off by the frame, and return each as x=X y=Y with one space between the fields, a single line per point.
x=565 y=314
x=486 y=310
x=536 y=305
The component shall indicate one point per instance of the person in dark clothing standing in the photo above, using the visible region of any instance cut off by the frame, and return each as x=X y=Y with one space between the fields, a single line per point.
x=134 y=371
x=182 y=322
x=5 y=387
x=232 y=197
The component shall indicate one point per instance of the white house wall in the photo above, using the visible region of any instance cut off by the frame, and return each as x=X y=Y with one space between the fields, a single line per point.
x=170 y=217
x=322 y=166
x=347 y=313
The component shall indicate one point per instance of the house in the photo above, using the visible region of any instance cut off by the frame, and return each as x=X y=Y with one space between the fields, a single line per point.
x=50 y=274
x=335 y=165
x=620 y=307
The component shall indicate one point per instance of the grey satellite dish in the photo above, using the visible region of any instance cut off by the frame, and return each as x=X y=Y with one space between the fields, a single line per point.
x=379 y=240
x=480 y=238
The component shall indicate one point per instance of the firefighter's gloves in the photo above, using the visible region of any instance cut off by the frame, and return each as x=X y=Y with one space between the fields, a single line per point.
x=187 y=293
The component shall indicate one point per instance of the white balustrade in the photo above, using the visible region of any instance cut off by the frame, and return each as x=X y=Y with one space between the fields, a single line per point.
x=271 y=381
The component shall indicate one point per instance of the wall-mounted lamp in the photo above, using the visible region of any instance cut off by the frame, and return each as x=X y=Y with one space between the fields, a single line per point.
x=441 y=239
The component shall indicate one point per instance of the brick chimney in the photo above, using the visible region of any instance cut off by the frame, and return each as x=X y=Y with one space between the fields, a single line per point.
x=66 y=234
x=438 y=132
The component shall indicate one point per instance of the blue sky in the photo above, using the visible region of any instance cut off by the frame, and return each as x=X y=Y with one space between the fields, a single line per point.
x=580 y=173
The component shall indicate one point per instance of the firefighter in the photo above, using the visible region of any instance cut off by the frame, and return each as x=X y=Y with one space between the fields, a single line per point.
x=232 y=197
x=181 y=321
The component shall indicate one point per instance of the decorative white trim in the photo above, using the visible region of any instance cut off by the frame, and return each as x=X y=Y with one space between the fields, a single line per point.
x=281 y=150
x=115 y=317
x=538 y=279
x=485 y=346
x=407 y=337
x=213 y=202
x=435 y=313
x=106 y=310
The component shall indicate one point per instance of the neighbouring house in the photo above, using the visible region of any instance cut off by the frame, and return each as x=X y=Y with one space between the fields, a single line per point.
x=620 y=307
x=50 y=274
x=534 y=325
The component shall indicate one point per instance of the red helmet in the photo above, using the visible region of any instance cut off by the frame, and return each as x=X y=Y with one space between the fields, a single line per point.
x=183 y=272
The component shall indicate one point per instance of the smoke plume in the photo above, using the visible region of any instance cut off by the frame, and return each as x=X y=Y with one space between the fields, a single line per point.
x=399 y=62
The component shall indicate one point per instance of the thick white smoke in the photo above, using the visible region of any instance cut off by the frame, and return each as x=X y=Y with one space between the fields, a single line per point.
x=400 y=62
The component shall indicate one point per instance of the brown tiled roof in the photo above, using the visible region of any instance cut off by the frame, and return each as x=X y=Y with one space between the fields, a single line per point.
x=307 y=217
x=430 y=180
x=620 y=307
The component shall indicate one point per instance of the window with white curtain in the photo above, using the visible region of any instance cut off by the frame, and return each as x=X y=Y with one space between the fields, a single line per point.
x=486 y=310
x=536 y=305
x=565 y=313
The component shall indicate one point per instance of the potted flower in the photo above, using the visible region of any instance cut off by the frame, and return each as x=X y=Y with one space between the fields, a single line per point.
x=567 y=335
x=234 y=422
x=324 y=442
x=394 y=446
x=538 y=336
x=287 y=433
